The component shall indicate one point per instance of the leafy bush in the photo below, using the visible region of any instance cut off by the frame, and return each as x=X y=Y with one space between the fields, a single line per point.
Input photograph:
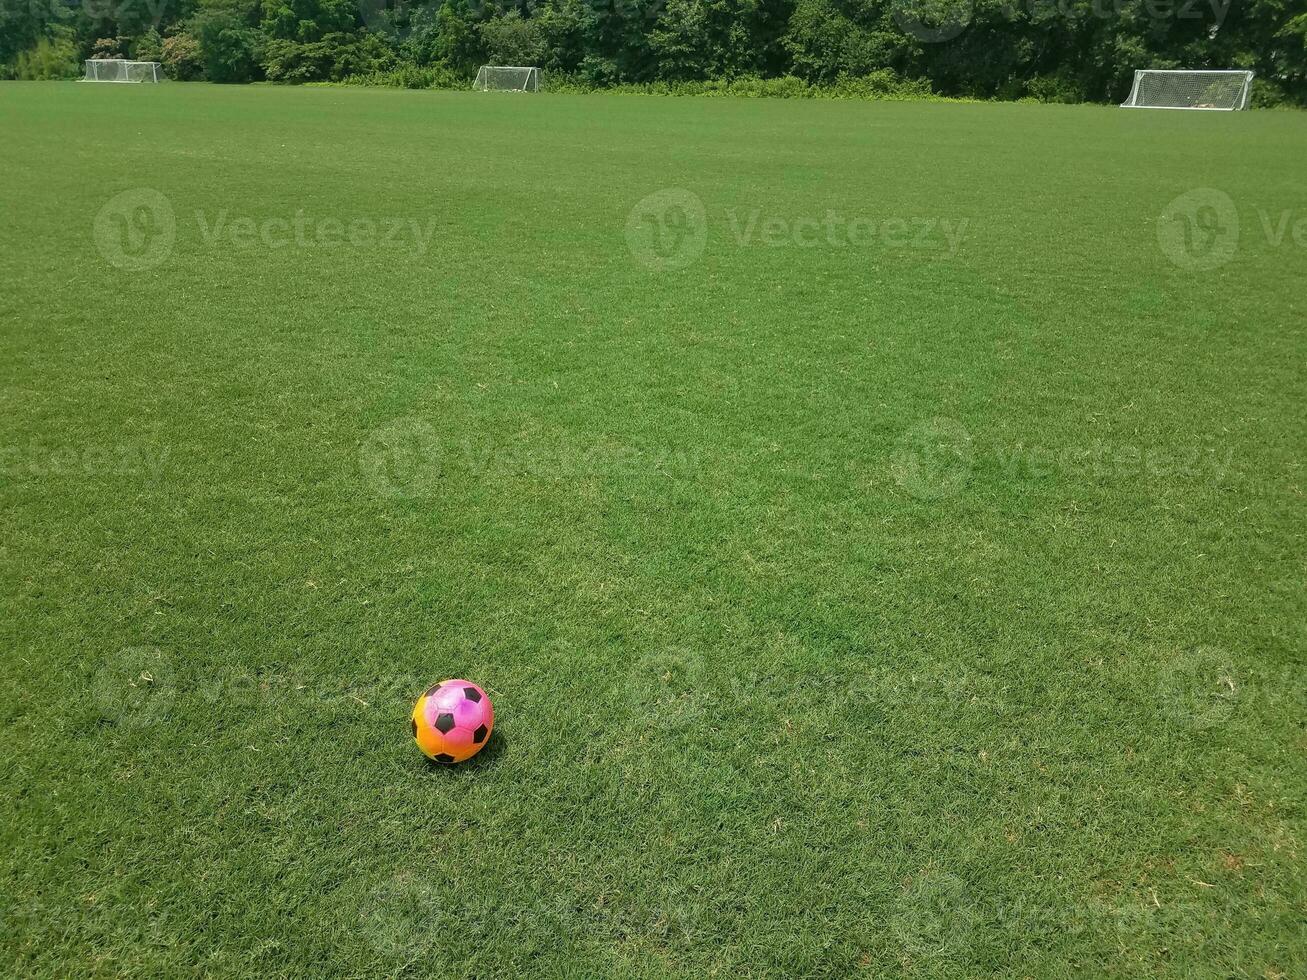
x=149 y=47
x=409 y=76
x=598 y=72
x=882 y=84
x=181 y=58
x=331 y=59
x=1266 y=95
x=1055 y=88
x=109 y=47
x=51 y=58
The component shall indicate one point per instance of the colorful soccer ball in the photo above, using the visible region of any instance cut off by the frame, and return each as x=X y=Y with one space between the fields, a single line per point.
x=452 y=721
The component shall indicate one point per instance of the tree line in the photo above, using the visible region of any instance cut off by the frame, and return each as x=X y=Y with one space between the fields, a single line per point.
x=1049 y=50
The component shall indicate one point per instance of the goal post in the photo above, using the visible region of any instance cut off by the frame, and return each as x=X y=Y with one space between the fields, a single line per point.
x=507 y=78
x=1158 y=88
x=122 y=70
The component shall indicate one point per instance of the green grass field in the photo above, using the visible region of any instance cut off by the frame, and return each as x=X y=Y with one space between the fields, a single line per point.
x=881 y=528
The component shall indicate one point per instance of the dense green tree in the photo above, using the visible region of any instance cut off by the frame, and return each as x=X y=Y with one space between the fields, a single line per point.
x=511 y=39
x=445 y=35
x=569 y=30
x=621 y=44
x=309 y=20
x=1269 y=36
x=231 y=45
x=22 y=27
x=696 y=39
x=829 y=38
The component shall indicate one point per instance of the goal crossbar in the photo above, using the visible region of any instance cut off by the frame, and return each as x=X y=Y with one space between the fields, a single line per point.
x=1218 y=90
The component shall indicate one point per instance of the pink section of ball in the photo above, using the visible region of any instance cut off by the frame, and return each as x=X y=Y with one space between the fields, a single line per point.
x=451 y=698
x=469 y=714
x=449 y=695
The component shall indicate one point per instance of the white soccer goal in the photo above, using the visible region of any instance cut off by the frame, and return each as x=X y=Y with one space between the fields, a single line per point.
x=507 y=78
x=1157 y=88
x=120 y=70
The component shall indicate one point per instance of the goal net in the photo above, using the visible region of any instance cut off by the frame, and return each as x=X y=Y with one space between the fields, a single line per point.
x=507 y=78
x=1159 y=89
x=119 y=70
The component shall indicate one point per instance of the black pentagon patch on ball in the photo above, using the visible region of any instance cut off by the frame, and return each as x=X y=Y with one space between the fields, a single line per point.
x=443 y=758
x=479 y=735
x=431 y=690
x=444 y=723
x=413 y=724
x=472 y=694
